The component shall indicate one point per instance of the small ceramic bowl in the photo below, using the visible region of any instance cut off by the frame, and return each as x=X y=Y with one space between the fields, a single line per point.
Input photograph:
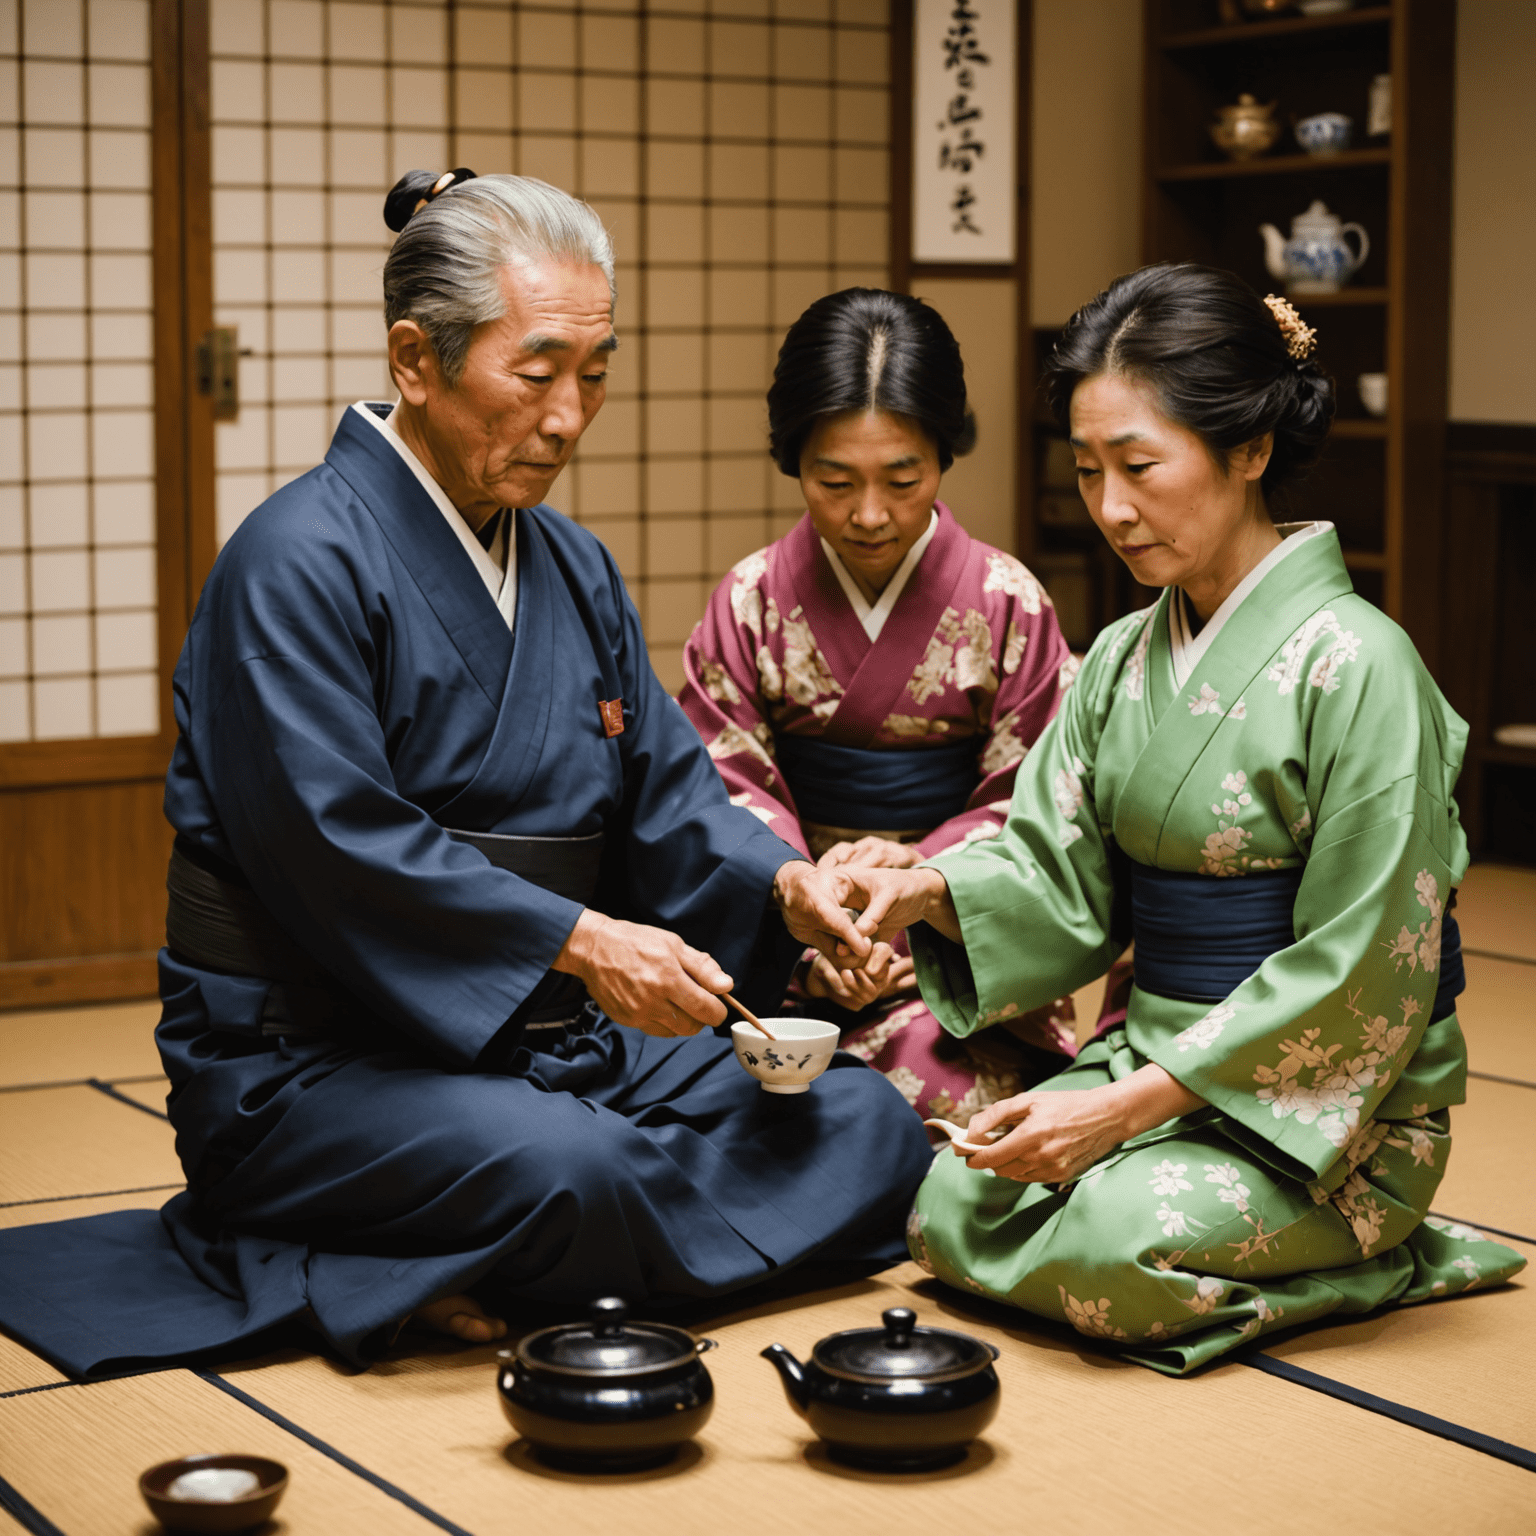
x=1326 y=134
x=790 y=1063
x=214 y=1514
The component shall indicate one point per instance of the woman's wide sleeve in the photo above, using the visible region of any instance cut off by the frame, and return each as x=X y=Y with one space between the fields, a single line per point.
x=1034 y=902
x=1306 y=1052
x=722 y=696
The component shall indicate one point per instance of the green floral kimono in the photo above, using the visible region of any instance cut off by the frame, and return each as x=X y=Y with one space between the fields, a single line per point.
x=1305 y=734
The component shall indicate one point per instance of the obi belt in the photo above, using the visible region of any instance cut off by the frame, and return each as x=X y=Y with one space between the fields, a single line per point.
x=1199 y=937
x=867 y=791
x=214 y=920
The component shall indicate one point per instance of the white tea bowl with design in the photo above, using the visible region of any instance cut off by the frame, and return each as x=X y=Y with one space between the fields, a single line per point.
x=790 y=1063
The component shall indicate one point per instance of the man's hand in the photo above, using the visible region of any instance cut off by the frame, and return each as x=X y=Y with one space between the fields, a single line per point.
x=644 y=978
x=877 y=852
x=810 y=900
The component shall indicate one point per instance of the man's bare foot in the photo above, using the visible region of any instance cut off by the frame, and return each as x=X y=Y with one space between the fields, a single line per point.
x=460 y=1317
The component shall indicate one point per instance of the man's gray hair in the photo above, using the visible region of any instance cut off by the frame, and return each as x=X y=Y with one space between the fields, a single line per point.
x=444 y=269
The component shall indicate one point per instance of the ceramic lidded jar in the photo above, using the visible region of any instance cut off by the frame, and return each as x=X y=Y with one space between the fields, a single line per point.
x=1246 y=128
x=1317 y=257
x=897 y=1398
x=606 y=1395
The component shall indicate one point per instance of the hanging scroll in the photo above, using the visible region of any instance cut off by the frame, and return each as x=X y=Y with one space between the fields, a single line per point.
x=964 y=129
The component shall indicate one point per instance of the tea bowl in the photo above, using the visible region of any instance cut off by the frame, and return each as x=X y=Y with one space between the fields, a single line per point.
x=789 y=1064
x=183 y=1510
x=1328 y=133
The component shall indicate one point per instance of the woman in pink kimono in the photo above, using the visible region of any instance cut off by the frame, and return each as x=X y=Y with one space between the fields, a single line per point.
x=869 y=684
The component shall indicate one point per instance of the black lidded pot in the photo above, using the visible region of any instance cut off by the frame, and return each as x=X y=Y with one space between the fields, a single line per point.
x=606 y=1395
x=893 y=1399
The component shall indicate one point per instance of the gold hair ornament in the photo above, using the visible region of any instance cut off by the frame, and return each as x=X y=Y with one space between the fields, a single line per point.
x=1300 y=338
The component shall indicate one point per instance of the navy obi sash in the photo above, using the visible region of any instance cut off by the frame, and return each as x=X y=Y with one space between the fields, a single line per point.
x=859 y=789
x=1198 y=937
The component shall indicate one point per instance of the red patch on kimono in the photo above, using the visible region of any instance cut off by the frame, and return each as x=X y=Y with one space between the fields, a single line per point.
x=612 y=711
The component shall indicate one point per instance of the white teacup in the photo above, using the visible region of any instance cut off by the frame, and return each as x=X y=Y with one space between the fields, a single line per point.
x=788 y=1064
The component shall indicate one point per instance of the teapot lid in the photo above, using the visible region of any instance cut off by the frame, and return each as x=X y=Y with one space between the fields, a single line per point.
x=1317 y=215
x=608 y=1345
x=901 y=1350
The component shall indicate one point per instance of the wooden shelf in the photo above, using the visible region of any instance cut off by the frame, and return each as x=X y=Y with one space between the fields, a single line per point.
x=1344 y=297
x=1518 y=757
x=1364 y=560
x=1303 y=28
x=1277 y=165
x=1359 y=427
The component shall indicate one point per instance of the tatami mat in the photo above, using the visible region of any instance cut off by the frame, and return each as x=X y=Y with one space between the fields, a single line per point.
x=1489 y=1179
x=62 y=1044
x=1442 y=1358
x=1083 y=1443
x=77 y=1141
x=1496 y=909
x=1498 y=1017
x=76 y=1454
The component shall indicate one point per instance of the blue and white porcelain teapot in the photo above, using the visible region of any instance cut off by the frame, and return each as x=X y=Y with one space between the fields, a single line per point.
x=1317 y=257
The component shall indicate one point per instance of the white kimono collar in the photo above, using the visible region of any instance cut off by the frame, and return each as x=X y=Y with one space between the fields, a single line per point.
x=498 y=565
x=873 y=616
x=1186 y=649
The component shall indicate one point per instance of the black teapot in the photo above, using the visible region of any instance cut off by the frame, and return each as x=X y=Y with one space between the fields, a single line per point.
x=894 y=1399
x=607 y=1395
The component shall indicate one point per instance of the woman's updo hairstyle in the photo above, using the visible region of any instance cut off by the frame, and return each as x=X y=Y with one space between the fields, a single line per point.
x=454 y=234
x=865 y=349
x=1216 y=356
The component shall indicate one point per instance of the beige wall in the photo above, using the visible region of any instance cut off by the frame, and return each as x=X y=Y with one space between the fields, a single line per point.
x=1085 y=159
x=980 y=489
x=1493 y=296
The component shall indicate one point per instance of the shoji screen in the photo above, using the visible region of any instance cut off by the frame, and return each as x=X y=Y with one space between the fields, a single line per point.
x=78 y=643
x=737 y=150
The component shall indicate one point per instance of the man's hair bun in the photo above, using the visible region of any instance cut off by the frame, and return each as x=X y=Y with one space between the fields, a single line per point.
x=418 y=187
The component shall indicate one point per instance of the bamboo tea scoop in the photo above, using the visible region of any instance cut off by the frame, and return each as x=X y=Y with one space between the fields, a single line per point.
x=750 y=1017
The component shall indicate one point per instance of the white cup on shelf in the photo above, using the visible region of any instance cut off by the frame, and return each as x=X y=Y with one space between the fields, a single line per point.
x=1373 y=392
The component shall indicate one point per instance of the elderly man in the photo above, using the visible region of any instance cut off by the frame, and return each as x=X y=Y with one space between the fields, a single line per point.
x=453 y=888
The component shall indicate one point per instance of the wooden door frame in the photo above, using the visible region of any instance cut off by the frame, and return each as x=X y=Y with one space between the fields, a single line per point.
x=49 y=847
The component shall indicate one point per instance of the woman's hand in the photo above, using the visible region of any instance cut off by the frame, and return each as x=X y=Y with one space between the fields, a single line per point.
x=1057 y=1136
x=877 y=852
x=892 y=899
x=644 y=978
x=885 y=974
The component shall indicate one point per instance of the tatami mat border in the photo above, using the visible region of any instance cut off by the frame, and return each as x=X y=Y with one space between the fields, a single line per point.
x=1497 y=954
x=1415 y=1418
x=316 y=1443
x=122 y=1098
x=79 y=1082
x=107 y=1194
x=1493 y=1077
x=23 y=1512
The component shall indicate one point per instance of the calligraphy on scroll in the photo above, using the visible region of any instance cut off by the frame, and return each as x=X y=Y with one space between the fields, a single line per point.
x=964 y=131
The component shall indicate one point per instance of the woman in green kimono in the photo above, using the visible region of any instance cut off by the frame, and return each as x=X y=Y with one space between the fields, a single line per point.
x=1253 y=779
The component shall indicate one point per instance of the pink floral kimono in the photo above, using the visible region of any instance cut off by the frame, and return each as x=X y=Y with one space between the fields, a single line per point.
x=833 y=719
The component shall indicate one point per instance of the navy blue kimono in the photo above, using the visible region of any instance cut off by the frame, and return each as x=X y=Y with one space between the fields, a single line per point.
x=348 y=690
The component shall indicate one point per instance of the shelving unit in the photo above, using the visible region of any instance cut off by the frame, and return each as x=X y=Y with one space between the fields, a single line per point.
x=1381 y=480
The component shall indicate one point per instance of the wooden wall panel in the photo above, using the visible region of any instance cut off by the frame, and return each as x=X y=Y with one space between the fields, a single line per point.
x=84 y=880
